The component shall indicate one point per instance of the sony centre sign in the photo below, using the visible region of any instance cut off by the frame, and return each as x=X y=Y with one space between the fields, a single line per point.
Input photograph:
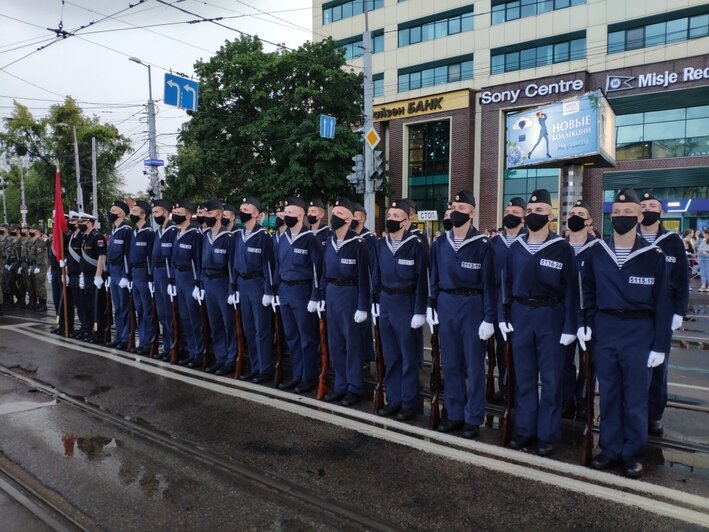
x=531 y=90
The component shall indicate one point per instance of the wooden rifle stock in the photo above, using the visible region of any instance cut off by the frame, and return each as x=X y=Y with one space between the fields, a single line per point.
x=491 y=363
x=509 y=388
x=379 y=359
x=436 y=380
x=174 y=350
x=155 y=341
x=207 y=335
x=108 y=316
x=240 y=342
x=133 y=322
x=324 y=360
x=278 y=330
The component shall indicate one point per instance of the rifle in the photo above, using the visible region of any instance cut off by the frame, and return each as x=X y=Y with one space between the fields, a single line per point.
x=324 y=359
x=509 y=384
x=379 y=360
x=491 y=363
x=131 y=315
x=108 y=316
x=587 y=452
x=174 y=351
x=436 y=380
x=206 y=333
x=155 y=341
x=240 y=341
x=278 y=328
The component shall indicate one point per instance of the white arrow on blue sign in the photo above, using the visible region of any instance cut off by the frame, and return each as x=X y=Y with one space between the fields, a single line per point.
x=153 y=162
x=181 y=92
x=327 y=126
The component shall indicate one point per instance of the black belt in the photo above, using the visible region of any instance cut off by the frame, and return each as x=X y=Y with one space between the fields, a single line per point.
x=462 y=291
x=300 y=281
x=252 y=275
x=399 y=291
x=628 y=314
x=216 y=275
x=139 y=265
x=536 y=302
x=184 y=269
x=343 y=282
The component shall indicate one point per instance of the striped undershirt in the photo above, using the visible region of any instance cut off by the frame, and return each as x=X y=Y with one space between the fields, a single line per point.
x=621 y=254
x=533 y=248
x=338 y=244
x=395 y=245
x=577 y=248
x=649 y=237
x=509 y=239
x=457 y=242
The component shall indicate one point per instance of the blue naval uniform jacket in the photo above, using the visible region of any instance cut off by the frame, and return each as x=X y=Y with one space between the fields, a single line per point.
x=349 y=263
x=405 y=269
x=141 y=246
x=119 y=245
x=677 y=269
x=162 y=244
x=299 y=258
x=639 y=284
x=254 y=256
x=323 y=234
x=469 y=267
x=550 y=273
x=187 y=251
x=217 y=253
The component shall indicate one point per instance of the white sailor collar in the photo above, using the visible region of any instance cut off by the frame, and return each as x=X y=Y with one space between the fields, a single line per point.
x=351 y=236
x=476 y=235
x=291 y=239
x=553 y=238
x=401 y=244
x=189 y=229
x=257 y=229
x=637 y=251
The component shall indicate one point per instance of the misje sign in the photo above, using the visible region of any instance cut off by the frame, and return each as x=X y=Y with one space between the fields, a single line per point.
x=664 y=79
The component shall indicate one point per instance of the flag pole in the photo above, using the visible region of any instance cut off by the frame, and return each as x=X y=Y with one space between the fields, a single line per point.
x=65 y=303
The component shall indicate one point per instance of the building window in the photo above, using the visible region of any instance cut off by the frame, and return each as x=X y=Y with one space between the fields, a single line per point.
x=505 y=11
x=428 y=29
x=437 y=73
x=429 y=165
x=339 y=9
x=523 y=182
x=378 y=83
x=538 y=53
x=354 y=46
x=663 y=134
x=654 y=32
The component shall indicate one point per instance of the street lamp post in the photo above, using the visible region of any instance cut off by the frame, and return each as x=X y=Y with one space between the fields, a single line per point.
x=152 y=146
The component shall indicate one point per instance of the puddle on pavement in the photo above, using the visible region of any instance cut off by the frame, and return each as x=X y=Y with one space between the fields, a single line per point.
x=23 y=406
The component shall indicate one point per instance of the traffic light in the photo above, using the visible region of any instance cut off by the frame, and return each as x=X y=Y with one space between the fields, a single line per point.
x=377 y=169
x=356 y=178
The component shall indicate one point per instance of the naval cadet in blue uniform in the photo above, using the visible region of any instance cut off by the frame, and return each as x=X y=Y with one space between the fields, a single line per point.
x=253 y=272
x=358 y=226
x=298 y=267
x=161 y=271
x=581 y=238
x=138 y=273
x=345 y=297
x=229 y=217
x=412 y=228
x=512 y=228
x=280 y=226
x=625 y=283
x=463 y=295
x=540 y=282
x=671 y=244
x=117 y=267
x=186 y=261
x=217 y=256
x=399 y=299
x=317 y=220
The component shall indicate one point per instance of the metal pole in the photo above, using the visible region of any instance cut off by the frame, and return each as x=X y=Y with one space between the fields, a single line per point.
x=152 y=141
x=367 y=115
x=79 y=192
x=94 y=180
x=23 y=212
x=4 y=203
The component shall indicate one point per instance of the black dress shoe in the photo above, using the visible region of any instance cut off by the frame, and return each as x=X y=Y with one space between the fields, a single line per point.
x=655 y=428
x=262 y=377
x=633 y=469
x=544 y=448
x=331 y=397
x=520 y=442
x=305 y=387
x=388 y=410
x=183 y=362
x=195 y=364
x=212 y=368
x=470 y=431
x=498 y=396
x=601 y=461
x=350 y=399
x=226 y=370
x=289 y=384
x=142 y=351
x=449 y=425
x=107 y=344
x=248 y=376
x=405 y=414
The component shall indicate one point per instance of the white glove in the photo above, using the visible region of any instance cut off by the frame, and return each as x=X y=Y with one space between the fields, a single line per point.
x=267 y=300
x=82 y=281
x=655 y=359
x=360 y=316
x=431 y=317
x=321 y=308
x=98 y=282
x=198 y=294
x=130 y=286
x=19 y=270
x=151 y=287
x=36 y=271
x=49 y=276
x=375 y=310
x=123 y=283
x=233 y=299
x=276 y=302
x=312 y=306
x=171 y=290
x=583 y=335
x=108 y=282
x=417 y=321
x=505 y=329
x=567 y=339
x=486 y=330
x=676 y=322
x=66 y=280
x=62 y=263
x=8 y=267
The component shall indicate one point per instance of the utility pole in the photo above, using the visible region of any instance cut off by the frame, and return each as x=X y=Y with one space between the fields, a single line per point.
x=23 y=207
x=94 y=181
x=79 y=192
x=367 y=116
x=152 y=136
x=4 y=202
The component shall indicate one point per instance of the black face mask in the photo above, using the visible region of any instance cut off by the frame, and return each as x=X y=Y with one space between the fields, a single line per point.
x=510 y=221
x=33 y=234
x=536 y=221
x=112 y=217
x=2 y=233
x=200 y=219
x=279 y=222
x=291 y=221
x=210 y=221
x=244 y=217
x=312 y=219
x=178 y=218
x=459 y=219
x=575 y=223
x=393 y=226
x=447 y=224
x=159 y=220
x=650 y=217
x=13 y=233
x=225 y=221
x=354 y=224
x=336 y=222
x=624 y=224
x=82 y=227
x=134 y=218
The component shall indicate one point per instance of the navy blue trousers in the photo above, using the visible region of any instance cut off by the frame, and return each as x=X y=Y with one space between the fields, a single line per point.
x=119 y=300
x=301 y=331
x=344 y=338
x=221 y=320
x=190 y=315
x=142 y=301
x=163 y=306
x=258 y=325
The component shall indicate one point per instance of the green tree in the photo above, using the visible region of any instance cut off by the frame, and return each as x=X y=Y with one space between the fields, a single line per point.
x=38 y=145
x=257 y=127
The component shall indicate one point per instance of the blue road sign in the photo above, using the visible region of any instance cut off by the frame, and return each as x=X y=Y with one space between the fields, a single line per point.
x=181 y=92
x=327 y=126
x=153 y=162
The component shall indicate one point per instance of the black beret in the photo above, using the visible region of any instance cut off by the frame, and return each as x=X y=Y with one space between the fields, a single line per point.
x=165 y=204
x=517 y=202
x=627 y=195
x=359 y=208
x=581 y=203
x=214 y=205
x=143 y=205
x=298 y=202
x=186 y=204
x=317 y=202
x=229 y=207
x=540 y=196
x=648 y=195
x=400 y=204
x=347 y=204
x=411 y=204
x=252 y=200
x=465 y=196
x=121 y=205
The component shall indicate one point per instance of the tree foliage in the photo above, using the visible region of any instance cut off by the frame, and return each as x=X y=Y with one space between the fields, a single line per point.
x=257 y=127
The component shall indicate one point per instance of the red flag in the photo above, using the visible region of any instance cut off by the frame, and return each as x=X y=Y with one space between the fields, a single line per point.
x=59 y=225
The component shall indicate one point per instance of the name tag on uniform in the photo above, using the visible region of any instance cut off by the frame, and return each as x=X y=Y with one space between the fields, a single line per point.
x=471 y=265
x=166 y=244
x=116 y=241
x=185 y=246
x=670 y=258
x=407 y=262
x=642 y=280
x=220 y=251
x=348 y=261
x=300 y=251
x=551 y=264
x=254 y=250
x=141 y=244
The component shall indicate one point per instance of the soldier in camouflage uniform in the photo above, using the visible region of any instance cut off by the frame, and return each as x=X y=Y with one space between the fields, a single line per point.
x=4 y=235
x=39 y=263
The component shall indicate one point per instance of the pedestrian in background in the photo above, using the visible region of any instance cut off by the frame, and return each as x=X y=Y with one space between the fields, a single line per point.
x=703 y=258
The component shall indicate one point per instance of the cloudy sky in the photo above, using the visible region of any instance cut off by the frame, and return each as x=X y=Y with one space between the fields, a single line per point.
x=93 y=67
